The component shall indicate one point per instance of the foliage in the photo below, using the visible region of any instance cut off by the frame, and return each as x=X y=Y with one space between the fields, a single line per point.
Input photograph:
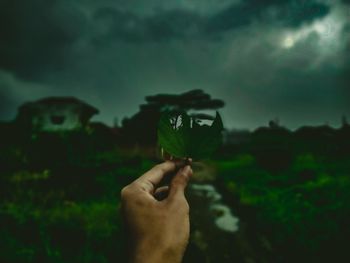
x=298 y=215
x=190 y=139
x=60 y=196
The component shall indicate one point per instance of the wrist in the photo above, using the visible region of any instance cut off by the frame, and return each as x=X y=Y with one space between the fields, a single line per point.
x=155 y=252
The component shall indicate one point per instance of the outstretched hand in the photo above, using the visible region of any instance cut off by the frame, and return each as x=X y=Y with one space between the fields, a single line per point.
x=159 y=229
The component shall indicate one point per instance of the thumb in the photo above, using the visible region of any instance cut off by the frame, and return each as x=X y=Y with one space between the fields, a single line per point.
x=179 y=183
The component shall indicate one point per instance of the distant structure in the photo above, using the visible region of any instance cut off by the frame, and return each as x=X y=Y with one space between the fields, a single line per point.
x=274 y=124
x=274 y=128
x=55 y=114
x=345 y=122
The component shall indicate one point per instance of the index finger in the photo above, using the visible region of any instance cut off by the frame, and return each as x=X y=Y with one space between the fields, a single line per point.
x=153 y=177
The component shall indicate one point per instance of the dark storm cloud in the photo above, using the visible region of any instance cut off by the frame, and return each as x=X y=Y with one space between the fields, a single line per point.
x=36 y=35
x=292 y=13
x=182 y=23
x=344 y=76
x=114 y=53
x=39 y=36
x=127 y=26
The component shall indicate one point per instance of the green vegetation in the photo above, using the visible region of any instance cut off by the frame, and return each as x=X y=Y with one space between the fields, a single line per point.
x=63 y=205
x=60 y=196
x=302 y=211
x=183 y=136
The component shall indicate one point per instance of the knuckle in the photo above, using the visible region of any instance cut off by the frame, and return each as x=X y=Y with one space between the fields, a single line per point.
x=138 y=202
x=125 y=192
x=176 y=183
x=130 y=196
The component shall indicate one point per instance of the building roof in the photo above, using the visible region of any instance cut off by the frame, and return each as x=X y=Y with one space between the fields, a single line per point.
x=59 y=101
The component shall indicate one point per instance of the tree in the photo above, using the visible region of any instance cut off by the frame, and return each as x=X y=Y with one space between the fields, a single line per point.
x=191 y=100
x=141 y=128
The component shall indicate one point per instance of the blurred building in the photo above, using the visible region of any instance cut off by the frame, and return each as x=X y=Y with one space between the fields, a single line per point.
x=55 y=114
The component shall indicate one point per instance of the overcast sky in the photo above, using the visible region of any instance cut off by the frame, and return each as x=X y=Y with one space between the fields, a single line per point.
x=266 y=59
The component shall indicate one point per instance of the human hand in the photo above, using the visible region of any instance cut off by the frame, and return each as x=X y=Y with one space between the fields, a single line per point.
x=159 y=229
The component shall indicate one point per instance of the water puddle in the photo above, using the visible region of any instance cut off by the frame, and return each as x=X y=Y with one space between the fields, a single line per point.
x=223 y=217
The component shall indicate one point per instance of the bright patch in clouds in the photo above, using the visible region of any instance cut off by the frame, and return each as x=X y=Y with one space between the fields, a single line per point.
x=328 y=32
x=288 y=42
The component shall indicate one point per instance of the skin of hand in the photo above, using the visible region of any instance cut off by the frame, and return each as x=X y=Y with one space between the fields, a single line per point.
x=159 y=230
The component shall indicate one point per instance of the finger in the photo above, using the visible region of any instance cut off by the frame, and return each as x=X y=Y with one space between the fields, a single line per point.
x=179 y=183
x=152 y=178
x=161 y=189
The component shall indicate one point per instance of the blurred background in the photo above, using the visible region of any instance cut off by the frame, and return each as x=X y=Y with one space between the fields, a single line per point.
x=82 y=87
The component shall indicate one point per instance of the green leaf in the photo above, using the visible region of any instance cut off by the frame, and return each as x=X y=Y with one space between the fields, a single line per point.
x=168 y=137
x=186 y=141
